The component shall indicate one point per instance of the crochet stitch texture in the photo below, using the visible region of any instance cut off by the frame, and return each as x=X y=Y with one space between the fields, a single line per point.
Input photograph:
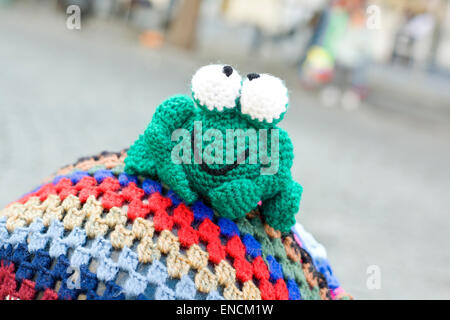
x=218 y=107
x=96 y=232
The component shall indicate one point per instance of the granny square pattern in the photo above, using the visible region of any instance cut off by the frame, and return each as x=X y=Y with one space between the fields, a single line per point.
x=94 y=232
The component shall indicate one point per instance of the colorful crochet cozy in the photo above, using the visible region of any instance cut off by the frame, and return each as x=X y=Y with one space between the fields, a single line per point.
x=133 y=225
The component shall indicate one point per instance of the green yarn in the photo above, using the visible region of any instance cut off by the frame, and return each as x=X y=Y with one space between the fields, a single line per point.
x=230 y=205
x=279 y=250
x=244 y=226
x=274 y=247
x=258 y=229
x=315 y=293
x=288 y=269
x=232 y=193
x=278 y=211
x=267 y=248
x=138 y=160
x=96 y=168
x=117 y=170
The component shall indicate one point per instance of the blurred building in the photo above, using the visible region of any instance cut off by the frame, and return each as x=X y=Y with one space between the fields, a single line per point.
x=413 y=33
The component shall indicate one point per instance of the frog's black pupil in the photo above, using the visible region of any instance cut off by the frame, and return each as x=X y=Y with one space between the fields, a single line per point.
x=252 y=76
x=228 y=70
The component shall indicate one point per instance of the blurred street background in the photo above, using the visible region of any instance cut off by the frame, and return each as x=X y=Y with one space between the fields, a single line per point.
x=369 y=109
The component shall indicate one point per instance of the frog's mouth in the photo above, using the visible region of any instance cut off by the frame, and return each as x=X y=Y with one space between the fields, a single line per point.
x=221 y=171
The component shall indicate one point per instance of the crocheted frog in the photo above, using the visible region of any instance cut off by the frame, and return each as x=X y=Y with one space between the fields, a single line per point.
x=224 y=146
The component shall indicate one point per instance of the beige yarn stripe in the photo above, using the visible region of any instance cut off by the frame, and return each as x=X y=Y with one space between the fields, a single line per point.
x=97 y=223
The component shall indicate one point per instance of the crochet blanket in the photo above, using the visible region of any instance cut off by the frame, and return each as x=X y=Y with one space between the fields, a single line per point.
x=92 y=231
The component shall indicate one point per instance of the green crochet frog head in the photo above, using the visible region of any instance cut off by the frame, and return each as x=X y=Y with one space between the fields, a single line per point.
x=223 y=146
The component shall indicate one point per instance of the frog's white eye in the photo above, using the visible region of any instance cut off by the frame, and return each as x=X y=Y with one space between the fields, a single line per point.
x=263 y=97
x=216 y=87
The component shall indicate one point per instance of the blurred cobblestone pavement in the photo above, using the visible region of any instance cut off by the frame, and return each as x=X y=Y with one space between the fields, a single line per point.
x=376 y=183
